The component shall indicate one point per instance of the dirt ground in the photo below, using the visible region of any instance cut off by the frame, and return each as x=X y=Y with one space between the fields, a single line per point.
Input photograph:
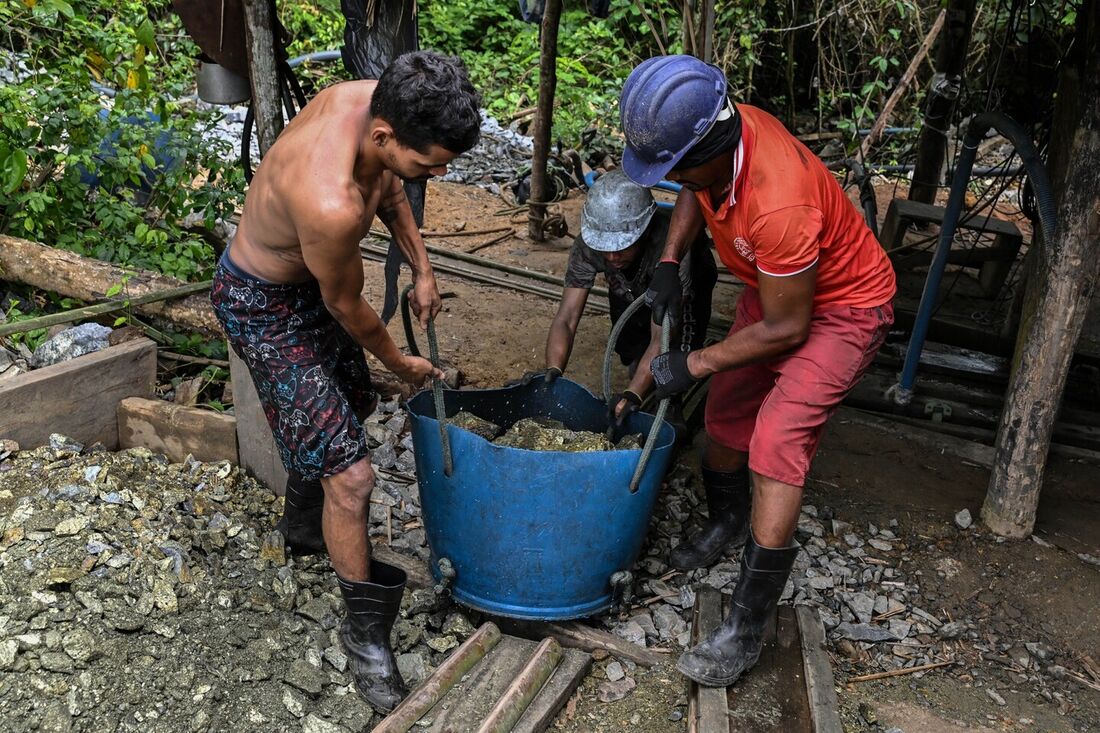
x=1024 y=591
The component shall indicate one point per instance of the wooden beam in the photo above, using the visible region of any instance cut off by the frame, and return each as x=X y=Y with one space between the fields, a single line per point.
x=177 y=430
x=820 y=688
x=710 y=707
x=263 y=70
x=79 y=397
x=1070 y=274
x=544 y=119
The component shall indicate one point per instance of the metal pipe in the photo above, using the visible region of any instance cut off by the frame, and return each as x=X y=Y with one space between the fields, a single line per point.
x=902 y=392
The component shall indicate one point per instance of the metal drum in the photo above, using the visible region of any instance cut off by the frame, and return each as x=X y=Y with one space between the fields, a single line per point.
x=533 y=534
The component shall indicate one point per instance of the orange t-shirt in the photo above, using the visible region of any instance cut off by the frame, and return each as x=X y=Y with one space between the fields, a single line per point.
x=787 y=212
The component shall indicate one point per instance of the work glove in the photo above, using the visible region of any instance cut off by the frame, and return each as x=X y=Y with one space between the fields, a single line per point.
x=670 y=372
x=633 y=402
x=664 y=294
x=549 y=374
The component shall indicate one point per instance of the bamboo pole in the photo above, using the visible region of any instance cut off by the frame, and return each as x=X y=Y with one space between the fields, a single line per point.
x=544 y=119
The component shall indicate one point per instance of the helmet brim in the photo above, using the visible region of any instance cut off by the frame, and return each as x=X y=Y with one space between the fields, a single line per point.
x=645 y=173
x=603 y=241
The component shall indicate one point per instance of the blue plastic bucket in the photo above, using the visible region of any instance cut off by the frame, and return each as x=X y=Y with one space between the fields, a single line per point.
x=533 y=534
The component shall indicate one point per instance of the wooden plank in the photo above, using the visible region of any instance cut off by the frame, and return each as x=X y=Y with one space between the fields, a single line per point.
x=255 y=444
x=565 y=680
x=470 y=700
x=78 y=397
x=177 y=430
x=711 y=710
x=771 y=697
x=820 y=690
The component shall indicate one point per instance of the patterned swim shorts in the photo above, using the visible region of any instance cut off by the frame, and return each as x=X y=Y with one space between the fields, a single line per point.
x=311 y=376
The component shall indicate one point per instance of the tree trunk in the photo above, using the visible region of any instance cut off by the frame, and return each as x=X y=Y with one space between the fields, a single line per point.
x=950 y=64
x=1055 y=314
x=88 y=279
x=544 y=119
x=263 y=70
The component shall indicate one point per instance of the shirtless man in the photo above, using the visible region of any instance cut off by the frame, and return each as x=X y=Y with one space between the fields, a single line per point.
x=288 y=292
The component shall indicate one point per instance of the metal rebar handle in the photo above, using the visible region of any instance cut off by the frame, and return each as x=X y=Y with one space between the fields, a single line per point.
x=437 y=384
x=662 y=408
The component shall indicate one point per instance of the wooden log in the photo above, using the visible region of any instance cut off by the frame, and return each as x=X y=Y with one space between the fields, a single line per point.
x=263 y=70
x=177 y=430
x=79 y=397
x=523 y=689
x=88 y=279
x=580 y=636
x=1052 y=326
x=544 y=119
x=421 y=700
x=888 y=108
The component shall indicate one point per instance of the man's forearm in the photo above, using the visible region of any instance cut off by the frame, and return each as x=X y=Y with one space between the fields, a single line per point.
x=749 y=345
x=684 y=226
x=363 y=324
x=559 y=345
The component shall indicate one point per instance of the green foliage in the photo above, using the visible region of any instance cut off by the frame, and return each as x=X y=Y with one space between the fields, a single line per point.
x=146 y=147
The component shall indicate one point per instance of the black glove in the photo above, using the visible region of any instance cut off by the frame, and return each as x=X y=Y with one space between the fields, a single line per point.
x=670 y=372
x=664 y=294
x=633 y=402
x=549 y=375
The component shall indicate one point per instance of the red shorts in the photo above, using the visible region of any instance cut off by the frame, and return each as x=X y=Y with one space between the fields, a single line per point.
x=776 y=410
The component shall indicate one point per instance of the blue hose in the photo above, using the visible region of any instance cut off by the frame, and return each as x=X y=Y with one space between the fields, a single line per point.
x=902 y=392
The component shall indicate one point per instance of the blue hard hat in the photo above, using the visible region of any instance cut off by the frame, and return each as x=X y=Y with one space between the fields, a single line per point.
x=668 y=104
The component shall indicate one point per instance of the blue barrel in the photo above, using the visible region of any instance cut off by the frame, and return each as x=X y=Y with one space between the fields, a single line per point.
x=533 y=534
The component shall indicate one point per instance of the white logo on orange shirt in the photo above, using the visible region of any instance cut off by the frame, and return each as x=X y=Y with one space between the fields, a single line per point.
x=744 y=249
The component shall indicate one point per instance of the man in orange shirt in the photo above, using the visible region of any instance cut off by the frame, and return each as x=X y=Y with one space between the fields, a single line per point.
x=815 y=310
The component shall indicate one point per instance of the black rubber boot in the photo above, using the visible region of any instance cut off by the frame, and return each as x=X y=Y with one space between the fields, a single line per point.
x=733 y=648
x=301 y=521
x=365 y=634
x=728 y=504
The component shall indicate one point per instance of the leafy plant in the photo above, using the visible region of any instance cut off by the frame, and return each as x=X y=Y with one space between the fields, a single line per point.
x=102 y=151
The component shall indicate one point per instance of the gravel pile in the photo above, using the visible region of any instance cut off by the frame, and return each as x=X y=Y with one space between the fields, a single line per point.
x=137 y=594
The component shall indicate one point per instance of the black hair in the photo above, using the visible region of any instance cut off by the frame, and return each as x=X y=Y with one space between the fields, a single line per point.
x=428 y=99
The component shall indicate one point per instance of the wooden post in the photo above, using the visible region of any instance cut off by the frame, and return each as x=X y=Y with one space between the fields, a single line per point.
x=1053 y=322
x=950 y=64
x=544 y=119
x=263 y=70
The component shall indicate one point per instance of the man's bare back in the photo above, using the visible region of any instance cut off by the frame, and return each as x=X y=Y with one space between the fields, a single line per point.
x=309 y=175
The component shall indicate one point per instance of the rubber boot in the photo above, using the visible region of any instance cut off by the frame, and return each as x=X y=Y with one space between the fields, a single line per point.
x=728 y=504
x=365 y=634
x=301 y=520
x=733 y=648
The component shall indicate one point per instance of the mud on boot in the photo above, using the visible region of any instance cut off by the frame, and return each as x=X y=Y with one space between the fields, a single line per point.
x=734 y=647
x=728 y=505
x=301 y=520
x=372 y=607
